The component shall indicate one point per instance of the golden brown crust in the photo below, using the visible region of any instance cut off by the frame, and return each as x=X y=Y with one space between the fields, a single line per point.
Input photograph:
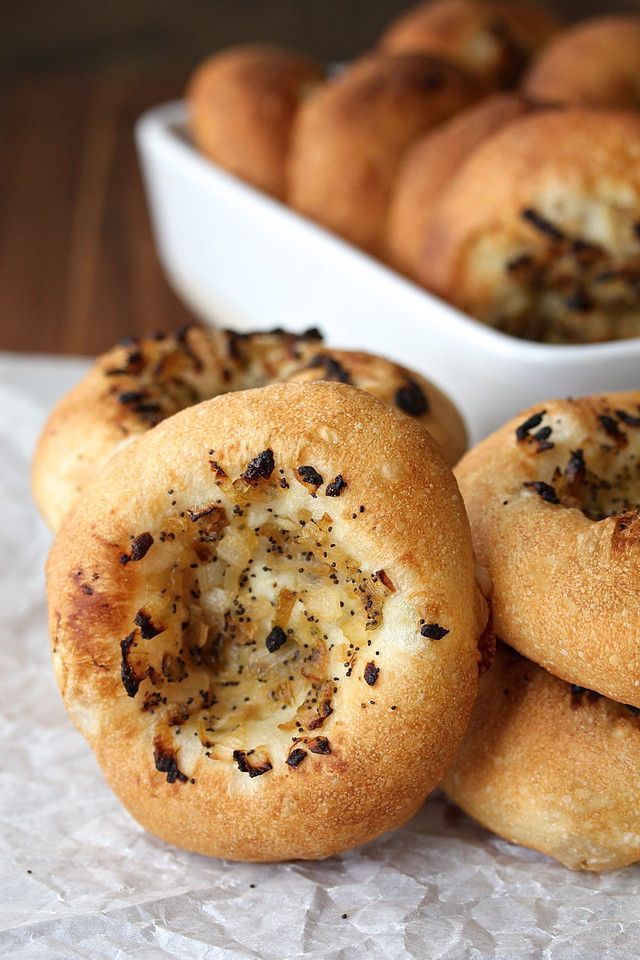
x=351 y=136
x=551 y=767
x=137 y=385
x=217 y=486
x=242 y=104
x=491 y=38
x=537 y=234
x=396 y=386
x=429 y=167
x=594 y=63
x=553 y=500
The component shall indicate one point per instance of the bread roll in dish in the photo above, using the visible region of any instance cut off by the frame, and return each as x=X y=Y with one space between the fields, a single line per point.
x=596 y=62
x=352 y=134
x=141 y=382
x=430 y=165
x=493 y=39
x=538 y=234
x=553 y=498
x=242 y=103
x=265 y=621
x=551 y=766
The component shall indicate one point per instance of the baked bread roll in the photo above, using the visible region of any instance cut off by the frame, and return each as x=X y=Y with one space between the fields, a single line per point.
x=242 y=103
x=538 y=233
x=396 y=386
x=264 y=620
x=552 y=767
x=351 y=135
x=553 y=498
x=429 y=167
x=595 y=63
x=493 y=39
x=139 y=383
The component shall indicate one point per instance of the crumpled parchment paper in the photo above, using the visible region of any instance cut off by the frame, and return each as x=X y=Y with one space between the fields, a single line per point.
x=80 y=879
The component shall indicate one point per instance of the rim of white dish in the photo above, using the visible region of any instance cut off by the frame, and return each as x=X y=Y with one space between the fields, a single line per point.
x=166 y=124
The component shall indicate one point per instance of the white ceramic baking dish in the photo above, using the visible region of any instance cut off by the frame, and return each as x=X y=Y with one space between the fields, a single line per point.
x=243 y=260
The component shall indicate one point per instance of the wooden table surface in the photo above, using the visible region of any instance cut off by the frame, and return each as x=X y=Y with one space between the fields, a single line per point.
x=78 y=269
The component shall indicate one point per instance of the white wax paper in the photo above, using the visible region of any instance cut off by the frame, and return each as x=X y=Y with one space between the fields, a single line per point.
x=80 y=879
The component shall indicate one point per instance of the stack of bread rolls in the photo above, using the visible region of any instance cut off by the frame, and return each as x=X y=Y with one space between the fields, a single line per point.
x=331 y=147
x=268 y=620
x=551 y=759
x=482 y=151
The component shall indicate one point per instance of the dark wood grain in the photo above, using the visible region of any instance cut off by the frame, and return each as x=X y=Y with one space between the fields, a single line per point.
x=77 y=264
x=78 y=268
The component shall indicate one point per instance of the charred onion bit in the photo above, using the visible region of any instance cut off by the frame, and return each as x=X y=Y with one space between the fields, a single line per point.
x=612 y=430
x=195 y=515
x=523 y=431
x=333 y=370
x=148 y=412
x=324 y=710
x=236 y=340
x=296 y=757
x=311 y=335
x=131 y=396
x=309 y=478
x=433 y=631
x=628 y=418
x=140 y=546
x=247 y=764
x=371 y=673
x=182 y=339
x=580 y=301
x=148 y=629
x=134 y=365
x=522 y=267
x=319 y=745
x=544 y=490
x=411 y=399
x=260 y=468
x=130 y=681
x=335 y=488
x=576 y=470
x=217 y=470
x=166 y=762
x=542 y=225
x=152 y=701
x=541 y=439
